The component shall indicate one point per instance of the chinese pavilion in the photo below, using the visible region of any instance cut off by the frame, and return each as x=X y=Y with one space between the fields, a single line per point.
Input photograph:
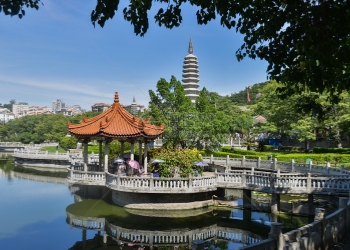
x=115 y=124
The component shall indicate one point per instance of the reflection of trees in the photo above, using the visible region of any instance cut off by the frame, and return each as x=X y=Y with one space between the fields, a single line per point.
x=216 y=244
x=7 y=166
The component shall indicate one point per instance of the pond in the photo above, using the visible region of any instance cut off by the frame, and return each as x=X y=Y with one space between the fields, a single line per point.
x=39 y=210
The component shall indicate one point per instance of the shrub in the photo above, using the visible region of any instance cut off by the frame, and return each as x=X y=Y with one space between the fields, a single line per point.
x=68 y=142
x=173 y=157
x=320 y=150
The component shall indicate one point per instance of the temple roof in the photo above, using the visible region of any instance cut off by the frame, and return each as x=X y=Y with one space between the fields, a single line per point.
x=116 y=123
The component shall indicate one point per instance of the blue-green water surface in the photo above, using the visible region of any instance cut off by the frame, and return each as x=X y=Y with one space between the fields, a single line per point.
x=40 y=212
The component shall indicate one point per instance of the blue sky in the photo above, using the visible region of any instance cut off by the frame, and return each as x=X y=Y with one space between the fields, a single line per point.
x=56 y=53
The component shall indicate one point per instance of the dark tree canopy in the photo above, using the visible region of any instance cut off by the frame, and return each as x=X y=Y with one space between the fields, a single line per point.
x=305 y=42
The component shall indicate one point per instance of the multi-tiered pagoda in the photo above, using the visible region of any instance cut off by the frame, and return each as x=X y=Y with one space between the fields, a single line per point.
x=190 y=74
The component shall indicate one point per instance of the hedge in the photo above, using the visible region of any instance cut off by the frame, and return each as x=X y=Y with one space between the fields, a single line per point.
x=320 y=150
x=232 y=155
x=321 y=159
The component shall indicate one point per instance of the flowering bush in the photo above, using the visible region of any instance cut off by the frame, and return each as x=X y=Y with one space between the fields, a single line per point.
x=174 y=157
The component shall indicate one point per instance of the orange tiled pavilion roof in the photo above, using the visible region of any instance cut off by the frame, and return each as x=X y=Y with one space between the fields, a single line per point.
x=116 y=123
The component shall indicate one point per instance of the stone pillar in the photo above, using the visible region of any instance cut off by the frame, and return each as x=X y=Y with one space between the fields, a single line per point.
x=274 y=203
x=84 y=239
x=211 y=159
x=227 y=160
x=140 y=152
x=308 y=182
x=276 y=234
x=274 y=164
x=145 y=158
x=247 y=199
x=244 y=179
x=310 y=204
x=258 y=163
x=292 y=164
x=100 y=154
x=328 y=166
x=122 y=149
x=310 y=166
x=85 y=155
x=132 y=150
x=104 y=240
x=106 y=156
x=243 y=161
x=341 y=169
x=320 y=216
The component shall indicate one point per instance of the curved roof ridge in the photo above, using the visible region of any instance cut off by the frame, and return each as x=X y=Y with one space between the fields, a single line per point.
x=115 y=122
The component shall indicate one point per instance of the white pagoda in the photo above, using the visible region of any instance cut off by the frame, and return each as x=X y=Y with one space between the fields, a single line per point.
x=190 y=74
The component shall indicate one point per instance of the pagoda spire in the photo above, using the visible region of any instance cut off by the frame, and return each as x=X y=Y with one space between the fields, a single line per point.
x=190 y=47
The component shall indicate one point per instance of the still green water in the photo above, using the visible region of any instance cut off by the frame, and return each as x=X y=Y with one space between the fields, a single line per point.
x=38 y=211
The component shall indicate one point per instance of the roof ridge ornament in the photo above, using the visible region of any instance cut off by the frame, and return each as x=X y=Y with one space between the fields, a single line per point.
x=190 y=47
x=116 y=97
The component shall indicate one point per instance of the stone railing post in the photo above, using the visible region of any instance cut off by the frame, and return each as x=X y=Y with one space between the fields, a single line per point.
x=118 y=180
x=308 y=182
x=342 y=169
x=71 y=174
x=278 y=173
x=227 y=160
x=151 y=183
x=328 y=166
x=190 y=181
x=258 y=162
x=274 y=166
x=310 y=166
x=320 y=216
x=292 y=165
x=276 y=234
x=211 y=159
x=344 y=203
x=272 y=182
x=243 y=161
x=244 y=179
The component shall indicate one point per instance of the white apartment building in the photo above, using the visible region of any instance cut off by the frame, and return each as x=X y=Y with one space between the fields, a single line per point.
x=6 y=115
x=17 y=109
x=57 y=106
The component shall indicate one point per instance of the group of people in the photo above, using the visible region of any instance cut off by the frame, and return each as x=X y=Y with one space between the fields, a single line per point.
x=123 y=167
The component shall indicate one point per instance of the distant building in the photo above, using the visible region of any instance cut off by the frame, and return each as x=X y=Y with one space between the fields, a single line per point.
x=134 y=108
x=17 y=109
x=99 y=107
x=6 y=115
x=190 y=74
x=57 y=106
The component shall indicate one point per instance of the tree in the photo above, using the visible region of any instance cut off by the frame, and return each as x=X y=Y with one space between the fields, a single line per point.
x=16 y=7
x=305 y=42
x=186 y=124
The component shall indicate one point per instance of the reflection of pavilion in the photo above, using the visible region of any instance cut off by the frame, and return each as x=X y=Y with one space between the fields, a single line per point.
x=153 y=238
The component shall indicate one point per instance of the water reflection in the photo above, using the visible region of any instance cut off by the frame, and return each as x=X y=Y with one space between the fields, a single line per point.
x=219 y=228
x=98 y=224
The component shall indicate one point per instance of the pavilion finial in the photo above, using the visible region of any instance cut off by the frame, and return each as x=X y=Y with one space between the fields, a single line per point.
x=190 y=47
x=116 y=97
x=134 y=100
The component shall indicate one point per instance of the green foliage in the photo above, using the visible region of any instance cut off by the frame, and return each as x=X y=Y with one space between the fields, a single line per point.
x=52 y=149
x=68 y=142
x=174 y=157
x=321 y=159
x=319 y=150
x=255 y=94
x=185 y=124
x=36 y=128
